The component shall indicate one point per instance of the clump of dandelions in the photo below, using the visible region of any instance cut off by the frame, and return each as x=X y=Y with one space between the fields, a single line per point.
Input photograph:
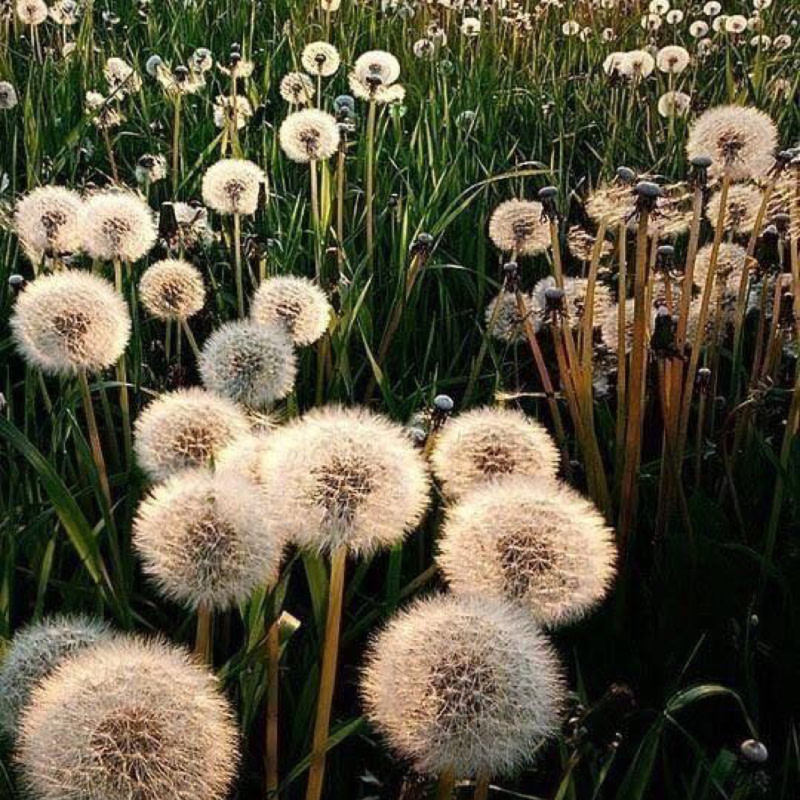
x=69 y=322
x=233 y=186
x=34 y=653
x=172 y=289
x=740 y=141
x=203 y=539
x=309 y=135
x=463 y=685
x=531 y=541
x=249 y=363
x=344 y=478
x=187 y=428
x=295 y=302
x=487 y=443
x=128 y=718
x=48 y=222
x=519 y=227
x=117 y=225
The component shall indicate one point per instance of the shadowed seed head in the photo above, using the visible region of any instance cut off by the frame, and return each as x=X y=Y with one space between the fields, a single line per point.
x=48 y=222
x=172 y=289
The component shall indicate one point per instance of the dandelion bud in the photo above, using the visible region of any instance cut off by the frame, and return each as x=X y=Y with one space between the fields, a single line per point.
x=754 y=751
x=344 y=101
x=703 y=379
x=511 y=271
x=548 y=196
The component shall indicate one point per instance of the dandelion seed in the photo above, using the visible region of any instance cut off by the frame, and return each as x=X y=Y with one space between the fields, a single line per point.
x=296 y=303
x=117 y=225
x=48 y=222
x=309 y=135
x=731 y=263
x=172 y=289
x=233 y=186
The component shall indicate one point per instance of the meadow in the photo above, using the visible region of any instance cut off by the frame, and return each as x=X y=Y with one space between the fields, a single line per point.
x=400 y=399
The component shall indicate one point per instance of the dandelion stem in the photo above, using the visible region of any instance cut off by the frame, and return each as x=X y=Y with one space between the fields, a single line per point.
x=94 y=436
x=202 y=641
x=482 y=786
x=122 y=379
x=446 y=786
x=110 y=151
x=273 y=694
x=370 y=180
x=237 y=254
x=176 y=146
x=190 y=338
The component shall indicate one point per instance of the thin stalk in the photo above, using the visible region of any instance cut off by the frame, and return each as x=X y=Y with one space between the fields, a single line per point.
x=622 y=355
x=315 y=220
x=110 y=152
x=273 y=695
x=202 y=639
x=446 y=786
x=190 y=338
x=94 y=435
x=237 y=254
x=370 y=180
x=340 y=189
x=176 y=146
x=482 y=786
x=122 y=379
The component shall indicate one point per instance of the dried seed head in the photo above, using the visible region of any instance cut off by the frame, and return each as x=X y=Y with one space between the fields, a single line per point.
x=466 y=684
x=488 y=443
x=295 y=302
x=741 y=208
x=532 y=541
x=117 y=225
x=48 y=222
x=309 y=135
x=70 y=321
x=233 y=186
x=183 y=429
x=377 y=67
x=506 y=322
x=172 y=289
x=519 y=226
x=128 y=719
x=242 y=456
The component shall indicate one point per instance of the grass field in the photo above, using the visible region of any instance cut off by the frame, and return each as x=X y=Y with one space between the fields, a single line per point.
x=638 y=638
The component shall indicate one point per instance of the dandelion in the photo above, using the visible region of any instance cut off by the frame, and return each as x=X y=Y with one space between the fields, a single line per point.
x=150 y=169
x=309 y=135
x=232 y=112
x=712 y=8
x=243 y=456
x=193 y=226
x=674 y=104
x=65 y=12
x=297 y=89
x=31 y=12
x=698 y=29
x=128 y=718
x=575 y=290
x=172 y=289
x=47 y=221
x=463 y=686
x=321 y=59
x=121 y=77
x=424 y=49
x=183 y=429
x=740 y=141
x=34 y=653
x=8 y=96
x=782 y=42
x=571 y=28
x=504 y=322
x=672 y=59
x=736 y=24
x=251 y=364
x=295 y=302
x=674 y=17
x=117 y=226
x=519 y=227
x=615 y=63
x=204 y=540
x=742 y=206
x=731 y=264
x=637 y=64
x=470 y=27
x=201 y=60
x=377 y=67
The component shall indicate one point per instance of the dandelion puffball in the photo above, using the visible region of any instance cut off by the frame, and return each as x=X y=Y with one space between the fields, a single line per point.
x=518 y=226
x=740 y=141
x=296 y=303
x=742 y=206
x=117 y=225
x=34 y=653
x=504 y=322
x=172 y=289
x=187 y=428
x=297 y=89
x=309 y=135
x=344 y=477
x=128 y=719
x=48 y=222
x=529 y=540
x=251 y=364
x=233 y=186
x=320 y=58
x=70 y=321
x=378 y=67
x=203 y=538
x=463 y=684
x=487 y=443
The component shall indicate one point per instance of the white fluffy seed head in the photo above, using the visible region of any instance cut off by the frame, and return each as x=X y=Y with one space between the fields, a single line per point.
x=505 y=322
x=320 y=58
x=117 y=225
x=48 y=222
x=466 y=684
x=531 y=541
x=243 y=456
x=297 y=89
x=575 y=291
x=309 y=135
x=295 y=302
x=344 y=478
x=233 y=186
x=488 y=443
x=183 y=429
x=172 y=289
x=377 y=66
x=128 y=719
x=34 y=653
x=249 y=363
x=203 y=539
x=518 y=226
x=70 y=321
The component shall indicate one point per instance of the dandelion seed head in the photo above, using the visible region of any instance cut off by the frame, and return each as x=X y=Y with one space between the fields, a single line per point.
x=233 y=186
x=741 y=209
x=121 y=77
x=507 y=325
x=320 y=58
x=297 y=89
x=172 y=289
x=232 y=111
x=48 y=222
x=465 y=684
x=674 y=104
x=31 y=12
x=117 y=225
x=519 y=226
x=8 y=96
x=575 y=290
x=672 y=59
x=377 y=67
x=309 y=135
x=731 y=263
x=242 y=456
x=295 y=302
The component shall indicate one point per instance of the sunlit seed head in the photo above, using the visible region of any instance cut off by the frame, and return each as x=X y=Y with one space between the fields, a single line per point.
x=33 y=654
x=230 y=111
x=674 y=104
x=533 y=541
x=297 y=89
x=320 y=58
x=249 y=363
x=296 y=303
x=31 y=12
x=121 y=77
x=636 y=64
x=151 y=168
x=117 y=225
x=581 y=244
x=741 y=208
x=377 y=67
x=128 y=719
x=309 y=135
x=203 y=539
x=377 y=93
x=672 y=59
x=172 y=289
x=48 y=222
x=183 y=429
x=741 y=141
x=575 y=291
x=70 y=321
x=507 y=324
x=8 y=96
x=466 y=684
x=344 y=478
x=487 y=443
x=730 y=265
x=518 y=226
x=233 y=186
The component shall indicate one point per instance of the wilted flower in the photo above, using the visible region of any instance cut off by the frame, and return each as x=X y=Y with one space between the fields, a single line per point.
x=309 y=135
x=519 y=226
x=344 y=478
x=47 y=221
x=183 y=429
x=233 y=186
x=487 y=443
x=70 y=321
x=128 y=718
x=297 y=89
x=296 y=303
x=172 y=289
x=320 y=58
x=117 y=225
x=204 y=540
x=531 y=541
x=463 y=684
